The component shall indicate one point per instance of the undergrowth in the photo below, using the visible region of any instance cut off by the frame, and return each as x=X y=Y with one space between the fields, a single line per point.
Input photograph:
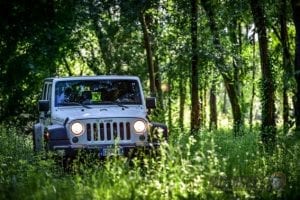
x=211 y=165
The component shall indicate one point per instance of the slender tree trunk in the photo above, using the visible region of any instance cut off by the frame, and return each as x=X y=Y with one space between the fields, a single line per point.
x=195 y=116
x=182 y=97
x=170 y=124
x=236 y=110
x=224 y=106
x=287 y=67
x=152 y=31
x=157 y=80
x=147 y=44
x=213 y=119
x=203 y=106
x=268 y=126
x=296 y=15
x=253 y=85
x=236 y=52
x=70 y=73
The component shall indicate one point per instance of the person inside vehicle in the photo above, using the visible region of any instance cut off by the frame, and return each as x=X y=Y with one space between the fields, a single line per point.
x=64 y=96
x=86 y=97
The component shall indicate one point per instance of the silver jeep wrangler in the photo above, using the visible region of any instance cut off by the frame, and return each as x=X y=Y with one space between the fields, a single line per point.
x=98 y=113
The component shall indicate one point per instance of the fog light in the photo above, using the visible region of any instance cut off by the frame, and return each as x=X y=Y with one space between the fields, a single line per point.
x=142 y=137
x=75 y=139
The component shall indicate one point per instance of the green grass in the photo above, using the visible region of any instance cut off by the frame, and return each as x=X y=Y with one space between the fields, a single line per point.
x=212 y=165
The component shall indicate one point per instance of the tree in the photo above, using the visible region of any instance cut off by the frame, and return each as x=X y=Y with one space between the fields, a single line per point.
x=31 y=37
x=223 y=69
x=268 y=126
x=145 y=20
x=286 y=63
x=296 y=16
x=213 y=122
x=195 y=112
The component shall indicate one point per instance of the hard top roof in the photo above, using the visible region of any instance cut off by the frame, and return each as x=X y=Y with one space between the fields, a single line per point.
x=116 y=77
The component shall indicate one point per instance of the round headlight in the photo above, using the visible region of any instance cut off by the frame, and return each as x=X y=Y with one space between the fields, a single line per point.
x=77 y=128
x=139 y=126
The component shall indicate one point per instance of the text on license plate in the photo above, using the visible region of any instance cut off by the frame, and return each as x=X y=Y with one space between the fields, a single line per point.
x=111 y=151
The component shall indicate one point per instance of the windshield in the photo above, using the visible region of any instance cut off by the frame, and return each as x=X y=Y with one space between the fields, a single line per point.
x=97 y=92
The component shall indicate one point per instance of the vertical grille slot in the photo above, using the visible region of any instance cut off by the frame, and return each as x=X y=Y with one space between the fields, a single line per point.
x=102 y=132
x=122 y=131
x=115 y=130
x=95 y=131
x=108 y=131
x=128 y=131
x=88 y=131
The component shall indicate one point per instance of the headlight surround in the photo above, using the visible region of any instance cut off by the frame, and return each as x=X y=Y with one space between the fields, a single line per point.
x=77 y=128
x=139 y=126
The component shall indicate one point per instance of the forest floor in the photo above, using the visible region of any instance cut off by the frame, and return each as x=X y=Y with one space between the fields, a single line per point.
x=211 y=165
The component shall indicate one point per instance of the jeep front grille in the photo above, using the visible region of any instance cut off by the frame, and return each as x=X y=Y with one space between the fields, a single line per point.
x=108 y=131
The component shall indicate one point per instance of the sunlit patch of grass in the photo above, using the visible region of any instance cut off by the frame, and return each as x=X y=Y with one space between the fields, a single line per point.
x=211 y=165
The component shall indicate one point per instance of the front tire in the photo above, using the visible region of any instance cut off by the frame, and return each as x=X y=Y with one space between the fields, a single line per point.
x=37 y=138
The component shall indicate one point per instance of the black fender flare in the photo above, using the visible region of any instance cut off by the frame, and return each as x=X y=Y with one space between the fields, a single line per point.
x=57 y=132
x=57 y=135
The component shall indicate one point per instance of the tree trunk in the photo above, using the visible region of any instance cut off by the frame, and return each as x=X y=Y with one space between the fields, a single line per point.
x=213 y=119
x=195 y=115
x=182 y=96
x=287 y=67
x=236 y=52
x=224 y=106
x=170 y=113
x=157 y=80
x=70 y=73
x=268 y=126
x=296 y=15
x=253 y=85
x=147 y=45
x=236 y=110
x=220 y=64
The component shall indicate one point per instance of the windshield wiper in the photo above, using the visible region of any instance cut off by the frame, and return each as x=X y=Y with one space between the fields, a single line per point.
x=114 y=102
x=120 y=104
x=76 y=103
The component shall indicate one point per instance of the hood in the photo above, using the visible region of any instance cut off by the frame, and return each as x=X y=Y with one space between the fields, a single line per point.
x=59 y=115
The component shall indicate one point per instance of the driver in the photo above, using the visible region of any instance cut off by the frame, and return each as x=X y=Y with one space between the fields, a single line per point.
x=64 y=96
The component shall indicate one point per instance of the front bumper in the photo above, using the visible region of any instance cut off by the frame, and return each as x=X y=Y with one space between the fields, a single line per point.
x=127 y=149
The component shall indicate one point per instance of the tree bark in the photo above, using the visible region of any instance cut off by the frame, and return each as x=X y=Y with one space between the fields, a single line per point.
x=147 y=44
x=182 y=96
x=296 y=16
x=213 y=122
x=253 y=85
x=268 y=126
x=236 y=63
x=170 y=113
x=70 y=73
x=286 y=63
x=195 y=112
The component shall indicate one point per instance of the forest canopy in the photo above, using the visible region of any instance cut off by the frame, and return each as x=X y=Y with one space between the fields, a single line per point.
x=209 y=63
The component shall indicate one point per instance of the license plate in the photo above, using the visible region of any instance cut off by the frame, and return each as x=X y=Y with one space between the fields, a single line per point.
x=111 y=152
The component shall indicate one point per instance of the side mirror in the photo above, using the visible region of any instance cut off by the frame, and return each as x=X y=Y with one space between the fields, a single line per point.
x=151 y=102
x=44 y=105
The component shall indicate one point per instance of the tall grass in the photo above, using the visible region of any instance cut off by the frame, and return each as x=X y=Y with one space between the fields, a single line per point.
x=212 y=165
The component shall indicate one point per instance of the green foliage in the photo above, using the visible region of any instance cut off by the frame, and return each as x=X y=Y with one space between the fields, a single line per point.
x=213 y=165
